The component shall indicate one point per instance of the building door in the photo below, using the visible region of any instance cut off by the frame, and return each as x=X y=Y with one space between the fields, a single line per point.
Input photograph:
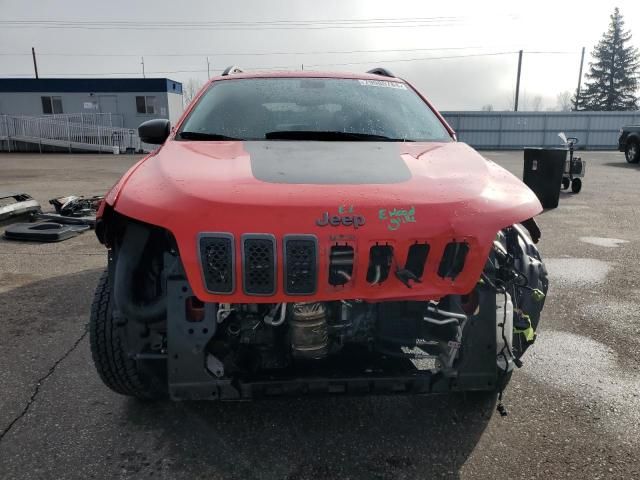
x=109 y=104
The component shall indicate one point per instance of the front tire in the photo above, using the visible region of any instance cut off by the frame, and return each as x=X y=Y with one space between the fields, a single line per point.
x=117 y=370
x=632 y=152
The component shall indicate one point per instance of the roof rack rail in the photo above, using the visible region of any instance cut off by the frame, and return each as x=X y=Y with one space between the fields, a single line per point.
x=381 y=71
x=231 y=70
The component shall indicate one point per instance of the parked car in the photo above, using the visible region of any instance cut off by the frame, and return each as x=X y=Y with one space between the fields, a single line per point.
x=314 y=233
x=629 y=143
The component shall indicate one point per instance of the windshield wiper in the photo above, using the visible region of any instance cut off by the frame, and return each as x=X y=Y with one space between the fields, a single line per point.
x=329 y=136
x=204 y=136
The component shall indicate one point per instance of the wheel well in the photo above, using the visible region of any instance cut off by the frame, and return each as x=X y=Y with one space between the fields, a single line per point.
x=633 y=138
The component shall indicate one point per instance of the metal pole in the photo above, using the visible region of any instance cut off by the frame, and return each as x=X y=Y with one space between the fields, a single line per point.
x=515 y=107
x=6 y=124
x=35 y=63
x=142 y=63
x=579 y=81
x=39 y=135
x=208 y=70
x=69 y=133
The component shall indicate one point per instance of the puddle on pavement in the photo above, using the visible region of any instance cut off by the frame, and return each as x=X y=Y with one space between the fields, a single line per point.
x=603 y=241
x=577 y=271
x=588 y=370
x=621 y=315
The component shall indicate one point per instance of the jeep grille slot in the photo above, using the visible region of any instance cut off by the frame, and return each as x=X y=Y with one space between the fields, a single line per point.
x=416 y=258
x=380 y=258
x=452 y=262
x=300 y=264
x=340 y=264
x=217 y=257
x=258 y=264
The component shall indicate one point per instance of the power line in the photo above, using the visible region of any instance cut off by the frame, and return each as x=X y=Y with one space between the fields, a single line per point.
x=565 y=52
x=257 y=25
x=235 y=22
x=417 y=59
x=224 y=28
x=260 y=54
x=240 y=54
x=294 y=66
x=137 y=23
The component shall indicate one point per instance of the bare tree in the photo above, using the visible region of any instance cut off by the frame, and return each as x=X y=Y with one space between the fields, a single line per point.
x=564 y=102
x=190 y=89
x=487 y=108
x=536 y=103
x=509 y=100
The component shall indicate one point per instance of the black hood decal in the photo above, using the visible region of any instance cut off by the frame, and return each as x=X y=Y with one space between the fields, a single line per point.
x=327 y=163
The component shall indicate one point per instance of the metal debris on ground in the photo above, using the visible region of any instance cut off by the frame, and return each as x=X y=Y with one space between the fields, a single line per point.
x=73 y=215
x=17 y=205
x=76 y=206
x=89 y=220
x=43 y=231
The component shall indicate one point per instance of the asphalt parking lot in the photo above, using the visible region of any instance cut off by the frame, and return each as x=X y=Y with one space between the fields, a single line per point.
x=574 y=408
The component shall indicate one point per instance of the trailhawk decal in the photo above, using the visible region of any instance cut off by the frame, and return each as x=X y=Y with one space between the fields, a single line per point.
x=395 y=217
x=383 y=83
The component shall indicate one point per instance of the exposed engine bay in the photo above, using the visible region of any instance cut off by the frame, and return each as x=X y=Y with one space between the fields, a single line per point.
x=233 y=351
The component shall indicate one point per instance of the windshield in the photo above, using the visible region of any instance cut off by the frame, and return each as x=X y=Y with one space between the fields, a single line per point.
x=312 y=109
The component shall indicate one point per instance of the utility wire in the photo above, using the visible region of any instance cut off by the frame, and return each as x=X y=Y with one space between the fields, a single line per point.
x=261 y=54
x=225 y=28
x=238 y=54
x=137 y=23
x=414 y=59
x=236 y=22
x=273 y=25
x=295 y=66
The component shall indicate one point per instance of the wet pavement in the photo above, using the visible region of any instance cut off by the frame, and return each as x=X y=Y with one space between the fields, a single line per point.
x=574 y=407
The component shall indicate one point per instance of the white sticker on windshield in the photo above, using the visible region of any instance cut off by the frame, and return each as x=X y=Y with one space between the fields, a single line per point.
x=383 y=83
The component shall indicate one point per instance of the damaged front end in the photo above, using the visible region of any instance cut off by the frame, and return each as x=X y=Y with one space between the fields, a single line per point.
x=181 y=346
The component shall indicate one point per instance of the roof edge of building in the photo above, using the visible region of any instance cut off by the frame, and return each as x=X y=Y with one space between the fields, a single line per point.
x=90 y=85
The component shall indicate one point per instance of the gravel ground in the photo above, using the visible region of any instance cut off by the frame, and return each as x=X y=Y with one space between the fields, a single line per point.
x=574 y=408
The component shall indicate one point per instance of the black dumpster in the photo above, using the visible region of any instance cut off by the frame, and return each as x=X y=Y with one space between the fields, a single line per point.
x=543 y=169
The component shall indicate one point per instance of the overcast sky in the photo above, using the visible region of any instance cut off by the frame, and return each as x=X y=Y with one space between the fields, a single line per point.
x=459 y=28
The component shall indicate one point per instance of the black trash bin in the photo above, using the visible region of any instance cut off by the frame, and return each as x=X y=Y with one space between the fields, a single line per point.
x=543 y=170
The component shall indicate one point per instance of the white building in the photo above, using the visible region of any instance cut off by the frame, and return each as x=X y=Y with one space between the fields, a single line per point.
x=131 y=101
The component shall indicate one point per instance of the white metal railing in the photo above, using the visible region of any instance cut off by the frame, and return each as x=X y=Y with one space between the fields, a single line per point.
x=93 y=118
x=62 y=131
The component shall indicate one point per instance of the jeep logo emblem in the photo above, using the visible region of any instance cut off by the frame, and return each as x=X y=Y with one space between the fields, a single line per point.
x=349 y=220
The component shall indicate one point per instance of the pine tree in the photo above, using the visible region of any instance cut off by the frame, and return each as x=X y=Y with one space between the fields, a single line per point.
x=612 y=80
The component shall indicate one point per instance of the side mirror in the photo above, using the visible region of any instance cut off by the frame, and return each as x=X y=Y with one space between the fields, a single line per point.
x=154 y=131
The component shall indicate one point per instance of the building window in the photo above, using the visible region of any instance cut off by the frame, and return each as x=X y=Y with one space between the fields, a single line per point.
x=51 y=105
x=146 y=105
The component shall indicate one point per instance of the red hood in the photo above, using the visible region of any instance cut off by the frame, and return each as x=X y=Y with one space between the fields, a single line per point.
x=446 y=190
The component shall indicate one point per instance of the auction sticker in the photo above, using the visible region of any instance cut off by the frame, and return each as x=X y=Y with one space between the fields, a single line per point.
x=383 y=83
